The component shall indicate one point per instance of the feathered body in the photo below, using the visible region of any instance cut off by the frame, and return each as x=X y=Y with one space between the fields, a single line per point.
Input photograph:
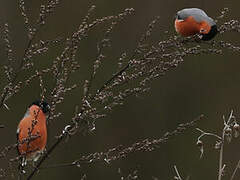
x=191 y=21
x=32 y=132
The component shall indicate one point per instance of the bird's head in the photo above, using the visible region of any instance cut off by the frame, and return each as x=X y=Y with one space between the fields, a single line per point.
x=43 y=105
x=211 y=34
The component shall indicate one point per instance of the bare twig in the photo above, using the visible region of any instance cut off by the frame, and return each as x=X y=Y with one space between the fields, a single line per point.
x=178 y=177
x=235 y=170
x=226 y=126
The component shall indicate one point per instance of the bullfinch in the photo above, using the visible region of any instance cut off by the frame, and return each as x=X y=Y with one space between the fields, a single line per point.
x=32 y=132
x=191 y=21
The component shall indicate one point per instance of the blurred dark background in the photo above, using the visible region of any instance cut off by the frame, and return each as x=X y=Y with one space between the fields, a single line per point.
x=206 y=84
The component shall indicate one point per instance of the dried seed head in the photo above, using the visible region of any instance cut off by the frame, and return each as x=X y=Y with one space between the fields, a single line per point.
x=236 y=126
x=228 y=137
x=199 y=143
x=228 y=130
x=218 y=145
x=85 y=87
x=228 y=134
x=236 y=129
x=200 y=146
x=78 y=165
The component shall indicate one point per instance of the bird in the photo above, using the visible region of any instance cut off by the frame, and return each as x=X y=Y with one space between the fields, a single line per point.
x=191 y=21
x=32 y=132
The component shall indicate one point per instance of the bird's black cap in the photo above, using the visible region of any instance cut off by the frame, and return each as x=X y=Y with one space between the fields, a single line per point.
x=42 y=104
x=212 y=33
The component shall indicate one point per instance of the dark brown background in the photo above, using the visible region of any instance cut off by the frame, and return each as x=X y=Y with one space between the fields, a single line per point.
x=206 y=84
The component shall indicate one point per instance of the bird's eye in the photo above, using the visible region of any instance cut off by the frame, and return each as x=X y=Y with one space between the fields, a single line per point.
x=178 y=17
x=202 y=30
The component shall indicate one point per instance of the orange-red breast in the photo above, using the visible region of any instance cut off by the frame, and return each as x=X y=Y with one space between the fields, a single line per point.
x=191 y=21
x=32 y=132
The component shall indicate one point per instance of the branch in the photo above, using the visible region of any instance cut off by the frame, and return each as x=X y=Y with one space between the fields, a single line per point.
x=121 y=152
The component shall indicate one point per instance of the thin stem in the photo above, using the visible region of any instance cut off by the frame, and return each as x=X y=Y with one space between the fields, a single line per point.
x=176 y=170
x=221 y=157
x=19 y=68
x=235 y=170
x=46 y=155
x=113 y=77
x=207 y=134
x=115 y=153
x=226 y=125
